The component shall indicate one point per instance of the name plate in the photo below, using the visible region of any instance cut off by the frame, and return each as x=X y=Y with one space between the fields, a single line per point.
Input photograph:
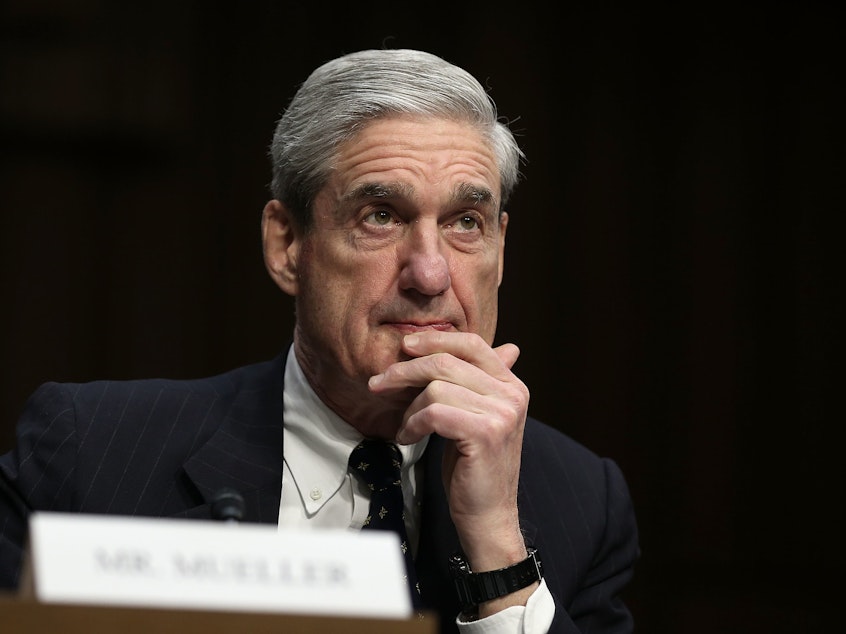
x=113 y=560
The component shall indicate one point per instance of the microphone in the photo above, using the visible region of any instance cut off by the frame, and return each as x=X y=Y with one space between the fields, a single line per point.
x=227 y=505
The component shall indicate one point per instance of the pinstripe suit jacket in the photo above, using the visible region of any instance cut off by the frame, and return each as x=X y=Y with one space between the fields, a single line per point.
x=162 y=448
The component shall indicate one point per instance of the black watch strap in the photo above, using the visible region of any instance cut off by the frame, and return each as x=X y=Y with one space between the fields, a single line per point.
x=474 y=588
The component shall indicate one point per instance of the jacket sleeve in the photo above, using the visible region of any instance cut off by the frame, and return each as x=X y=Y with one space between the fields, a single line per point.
x=598 y=606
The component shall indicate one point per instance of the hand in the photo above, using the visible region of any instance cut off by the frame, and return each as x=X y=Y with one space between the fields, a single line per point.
x=470 y=397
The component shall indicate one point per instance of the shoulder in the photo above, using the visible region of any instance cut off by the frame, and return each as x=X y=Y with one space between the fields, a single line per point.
x=556 y=447
x=105 y=408
x=256 y=376
x=556 y=468
x=117 y=427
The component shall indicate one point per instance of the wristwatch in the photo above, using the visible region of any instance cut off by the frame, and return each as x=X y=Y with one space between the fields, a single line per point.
x=474 y=588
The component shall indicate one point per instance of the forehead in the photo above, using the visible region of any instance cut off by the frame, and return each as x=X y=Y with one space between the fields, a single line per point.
x=420 y=152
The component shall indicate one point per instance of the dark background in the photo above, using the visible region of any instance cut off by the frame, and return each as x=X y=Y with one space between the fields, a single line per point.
x=670 y=277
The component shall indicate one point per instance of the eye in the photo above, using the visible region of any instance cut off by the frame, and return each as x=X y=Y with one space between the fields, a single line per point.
x=467 y=223
x=380 y=217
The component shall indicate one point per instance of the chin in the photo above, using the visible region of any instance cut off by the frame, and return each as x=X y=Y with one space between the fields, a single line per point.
x=383 y=354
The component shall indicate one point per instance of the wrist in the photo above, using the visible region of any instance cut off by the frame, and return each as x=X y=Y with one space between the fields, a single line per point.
x=490 y=545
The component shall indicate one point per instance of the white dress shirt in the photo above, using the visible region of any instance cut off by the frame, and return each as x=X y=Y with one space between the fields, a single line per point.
x=319 y=492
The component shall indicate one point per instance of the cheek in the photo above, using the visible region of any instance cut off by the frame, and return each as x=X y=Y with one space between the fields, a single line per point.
x=489 y=316
x=478 y=293
x=339 y=293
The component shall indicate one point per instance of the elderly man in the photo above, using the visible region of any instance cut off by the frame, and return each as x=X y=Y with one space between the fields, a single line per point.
x=387 y=224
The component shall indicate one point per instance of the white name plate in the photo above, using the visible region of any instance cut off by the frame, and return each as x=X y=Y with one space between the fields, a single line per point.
x=111 y=560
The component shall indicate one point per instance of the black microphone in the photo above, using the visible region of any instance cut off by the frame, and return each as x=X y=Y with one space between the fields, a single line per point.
x=227 y=505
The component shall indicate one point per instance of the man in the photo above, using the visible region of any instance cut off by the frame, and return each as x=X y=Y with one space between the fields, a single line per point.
x=387 y=226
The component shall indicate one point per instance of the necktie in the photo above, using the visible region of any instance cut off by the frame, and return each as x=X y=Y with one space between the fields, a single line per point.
x=377 y=464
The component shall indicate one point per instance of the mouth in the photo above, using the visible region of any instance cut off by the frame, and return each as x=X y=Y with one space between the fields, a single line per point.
x=407 y=327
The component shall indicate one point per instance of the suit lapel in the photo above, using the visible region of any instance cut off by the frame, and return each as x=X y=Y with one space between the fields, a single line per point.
x=245 y=453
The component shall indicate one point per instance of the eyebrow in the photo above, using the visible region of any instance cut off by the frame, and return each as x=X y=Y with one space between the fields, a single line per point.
x=464 y=193
x=380 y=190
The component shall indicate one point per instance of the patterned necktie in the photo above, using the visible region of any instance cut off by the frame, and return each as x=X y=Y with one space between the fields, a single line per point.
x=377 y=464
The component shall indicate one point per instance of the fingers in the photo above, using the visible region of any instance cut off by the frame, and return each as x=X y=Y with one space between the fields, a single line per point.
x=458 y=414
x=467 y=346
x=447 y=356
x=508 y=354
x=467 y=387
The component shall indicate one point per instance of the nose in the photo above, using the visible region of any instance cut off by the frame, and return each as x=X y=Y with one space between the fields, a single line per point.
x=425 y=268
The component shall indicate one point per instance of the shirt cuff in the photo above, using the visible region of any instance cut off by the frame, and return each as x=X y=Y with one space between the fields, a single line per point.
x=533 y=618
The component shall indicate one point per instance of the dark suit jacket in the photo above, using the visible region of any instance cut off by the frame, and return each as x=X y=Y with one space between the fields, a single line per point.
x=163 y=448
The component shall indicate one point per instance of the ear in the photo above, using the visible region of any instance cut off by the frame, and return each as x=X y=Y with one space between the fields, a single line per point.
x=503 y=225
x=281 y=242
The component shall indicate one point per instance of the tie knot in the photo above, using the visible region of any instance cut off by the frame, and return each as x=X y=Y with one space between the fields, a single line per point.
x=377 y=463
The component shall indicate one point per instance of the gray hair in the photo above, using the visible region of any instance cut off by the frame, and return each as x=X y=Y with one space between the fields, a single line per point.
x=343 y=95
